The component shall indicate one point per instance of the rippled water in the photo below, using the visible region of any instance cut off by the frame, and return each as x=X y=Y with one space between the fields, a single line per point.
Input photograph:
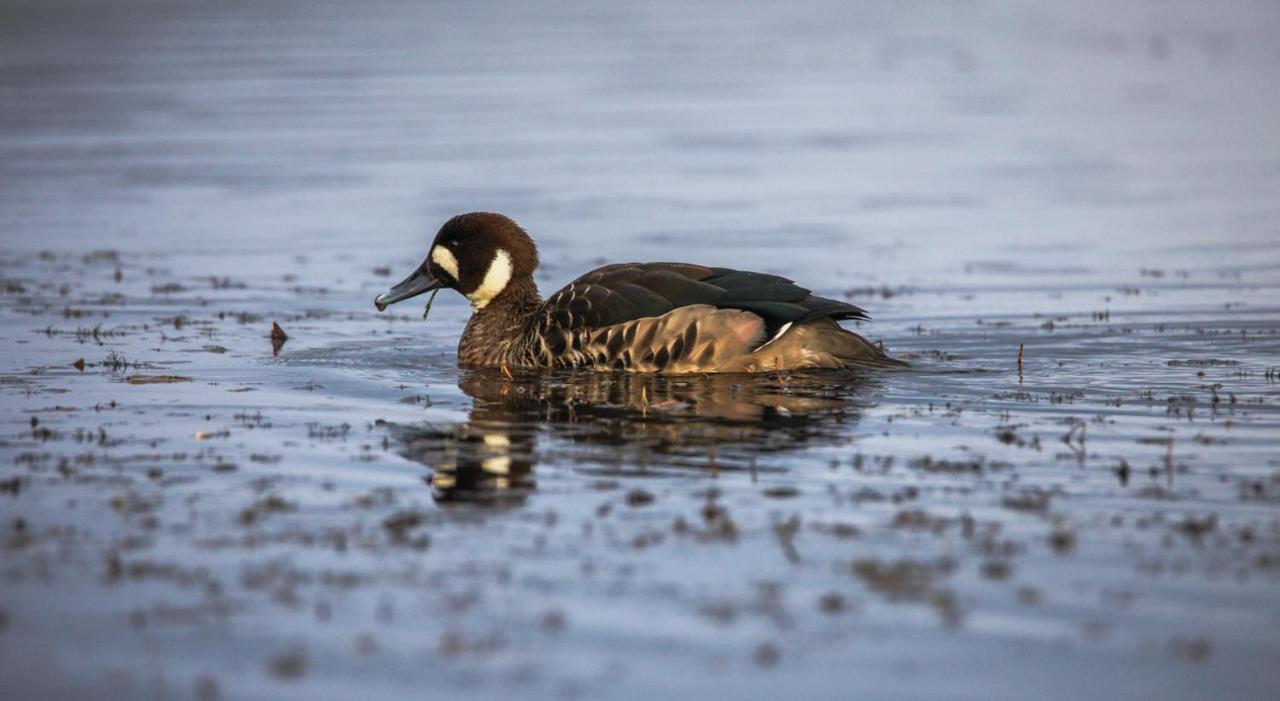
x=351 y=514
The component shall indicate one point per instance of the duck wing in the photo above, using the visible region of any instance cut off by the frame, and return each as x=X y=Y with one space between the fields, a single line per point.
x=623 y=292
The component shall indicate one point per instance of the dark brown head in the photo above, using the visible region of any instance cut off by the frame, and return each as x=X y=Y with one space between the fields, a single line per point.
x=478 y=254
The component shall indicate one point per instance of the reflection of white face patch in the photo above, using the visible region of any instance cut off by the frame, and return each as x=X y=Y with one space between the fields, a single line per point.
x=443 y=257
x=495 y=280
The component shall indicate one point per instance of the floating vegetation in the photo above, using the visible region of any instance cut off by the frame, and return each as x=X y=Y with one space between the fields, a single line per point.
x=84 y=334
x=155 y=379
x=116 y=362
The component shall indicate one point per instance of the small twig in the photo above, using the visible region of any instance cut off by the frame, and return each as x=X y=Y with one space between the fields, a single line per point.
x=506 y=371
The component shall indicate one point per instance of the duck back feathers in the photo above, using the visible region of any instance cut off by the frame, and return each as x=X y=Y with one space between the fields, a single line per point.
x=617 y=294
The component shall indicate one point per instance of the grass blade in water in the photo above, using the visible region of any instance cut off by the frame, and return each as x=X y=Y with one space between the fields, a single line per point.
x=427 y=309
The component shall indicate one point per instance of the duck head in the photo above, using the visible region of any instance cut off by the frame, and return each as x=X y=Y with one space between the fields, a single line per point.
x=481 y=255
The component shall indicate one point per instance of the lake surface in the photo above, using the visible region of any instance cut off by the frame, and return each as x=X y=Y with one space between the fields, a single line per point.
x=188 y=511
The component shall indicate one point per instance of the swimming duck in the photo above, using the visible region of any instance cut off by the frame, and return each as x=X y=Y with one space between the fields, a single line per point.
x=636 y=317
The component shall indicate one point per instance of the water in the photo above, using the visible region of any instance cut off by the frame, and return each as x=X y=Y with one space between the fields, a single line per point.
x=355 y=515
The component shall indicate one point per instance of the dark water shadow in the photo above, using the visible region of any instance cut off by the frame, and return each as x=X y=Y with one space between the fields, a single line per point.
x=617 y=425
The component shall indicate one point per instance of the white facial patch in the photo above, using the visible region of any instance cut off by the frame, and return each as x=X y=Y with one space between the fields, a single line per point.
x=444 y=258
x=494 y=282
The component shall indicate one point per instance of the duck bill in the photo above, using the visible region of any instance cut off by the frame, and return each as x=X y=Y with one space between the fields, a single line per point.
x=418 y=283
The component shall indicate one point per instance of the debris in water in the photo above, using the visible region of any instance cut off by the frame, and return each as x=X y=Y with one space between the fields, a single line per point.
x=766 y=655
x=271 y=504
x=1192 y=650
x=155 y=379
x=278 y=338
x=207 y=688
x=1122 y=472
x=366 y=644
x=288 y=665
x=1062 y=541
x=639 y=497
x=553 y=620
x=832 y=603
x=400 y=526
x=116 y=362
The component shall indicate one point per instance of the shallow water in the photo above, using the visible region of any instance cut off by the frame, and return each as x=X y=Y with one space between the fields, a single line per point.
x=351 y=514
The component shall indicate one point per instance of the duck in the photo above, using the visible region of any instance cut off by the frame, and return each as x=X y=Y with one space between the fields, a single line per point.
x=669 y=318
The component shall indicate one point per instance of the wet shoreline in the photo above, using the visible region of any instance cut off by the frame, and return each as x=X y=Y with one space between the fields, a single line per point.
x=355 y=487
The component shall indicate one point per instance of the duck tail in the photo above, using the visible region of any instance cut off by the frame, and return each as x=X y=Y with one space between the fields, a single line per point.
x=851 y=349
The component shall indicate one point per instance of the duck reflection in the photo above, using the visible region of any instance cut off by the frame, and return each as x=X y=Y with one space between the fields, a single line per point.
x=624 y=424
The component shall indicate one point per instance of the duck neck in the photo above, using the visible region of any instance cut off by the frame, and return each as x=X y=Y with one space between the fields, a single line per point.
x=495 y=330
